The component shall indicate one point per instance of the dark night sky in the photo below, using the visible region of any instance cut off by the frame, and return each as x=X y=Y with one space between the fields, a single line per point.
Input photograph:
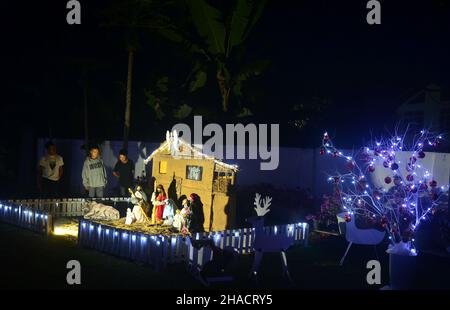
x=317 y=47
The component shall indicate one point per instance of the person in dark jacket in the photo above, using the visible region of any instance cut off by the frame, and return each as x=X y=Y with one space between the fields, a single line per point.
x=124 y=170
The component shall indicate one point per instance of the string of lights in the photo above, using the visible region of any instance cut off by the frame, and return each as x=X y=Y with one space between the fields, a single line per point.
x=25 y=217
x=409 y=193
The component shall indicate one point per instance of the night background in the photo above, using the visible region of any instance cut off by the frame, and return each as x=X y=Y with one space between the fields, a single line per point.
x=309 y=65
x=316 y=50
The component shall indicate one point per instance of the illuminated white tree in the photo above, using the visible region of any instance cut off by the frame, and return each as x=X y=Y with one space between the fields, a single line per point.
x=413 y=193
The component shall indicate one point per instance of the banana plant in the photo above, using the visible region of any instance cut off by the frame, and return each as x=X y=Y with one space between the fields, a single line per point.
x=216 y=39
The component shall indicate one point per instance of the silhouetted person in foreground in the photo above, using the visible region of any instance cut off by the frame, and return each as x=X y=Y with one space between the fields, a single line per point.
x=197 y=216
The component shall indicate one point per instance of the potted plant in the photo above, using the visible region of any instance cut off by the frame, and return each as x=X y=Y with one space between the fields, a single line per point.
x=326 y=217
x=389 y=183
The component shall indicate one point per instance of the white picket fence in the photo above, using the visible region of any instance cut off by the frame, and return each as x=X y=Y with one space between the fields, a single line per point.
x=159 y=250
x=26 y=217
x=68 y=207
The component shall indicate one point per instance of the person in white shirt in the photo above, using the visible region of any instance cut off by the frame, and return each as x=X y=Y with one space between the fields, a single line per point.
x=50 y=172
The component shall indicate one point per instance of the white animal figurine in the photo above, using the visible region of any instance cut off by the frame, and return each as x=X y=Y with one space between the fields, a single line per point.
x=98 y=211
x=130 y=217
x=264 y=243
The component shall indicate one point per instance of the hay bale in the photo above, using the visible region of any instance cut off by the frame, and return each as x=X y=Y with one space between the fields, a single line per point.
x=151 y=229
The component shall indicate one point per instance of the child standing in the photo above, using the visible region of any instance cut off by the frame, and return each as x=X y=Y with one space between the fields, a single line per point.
x=94 y=174
x=124 y=170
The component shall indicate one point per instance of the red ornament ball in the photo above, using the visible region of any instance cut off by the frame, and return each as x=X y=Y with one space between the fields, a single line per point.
x=433 y=183
x=409 y=178
x=421 y=154
x=423 y=187
x=387 y=180
x=371 y=168
x=347 y=218
x=322 y=151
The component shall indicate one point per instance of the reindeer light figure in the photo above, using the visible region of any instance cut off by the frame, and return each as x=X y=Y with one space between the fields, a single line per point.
x=264 y=243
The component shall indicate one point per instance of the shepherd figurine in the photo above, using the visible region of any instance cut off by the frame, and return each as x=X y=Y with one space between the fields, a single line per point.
x=138 y=215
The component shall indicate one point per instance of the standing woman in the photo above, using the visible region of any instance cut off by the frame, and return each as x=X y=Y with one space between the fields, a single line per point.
x=158 y=201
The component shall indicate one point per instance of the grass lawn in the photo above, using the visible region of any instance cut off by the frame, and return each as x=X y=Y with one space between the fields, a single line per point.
x=29 y=260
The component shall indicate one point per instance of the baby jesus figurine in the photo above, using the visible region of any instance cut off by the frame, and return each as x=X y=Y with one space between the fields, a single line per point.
x=138 y=215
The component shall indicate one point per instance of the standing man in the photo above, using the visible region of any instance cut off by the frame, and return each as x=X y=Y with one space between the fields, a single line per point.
x=50 y=172
x=94 y=174
x=124 y=170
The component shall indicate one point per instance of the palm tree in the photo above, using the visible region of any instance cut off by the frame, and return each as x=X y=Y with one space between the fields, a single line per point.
x=84 y=84
x=129 y=17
